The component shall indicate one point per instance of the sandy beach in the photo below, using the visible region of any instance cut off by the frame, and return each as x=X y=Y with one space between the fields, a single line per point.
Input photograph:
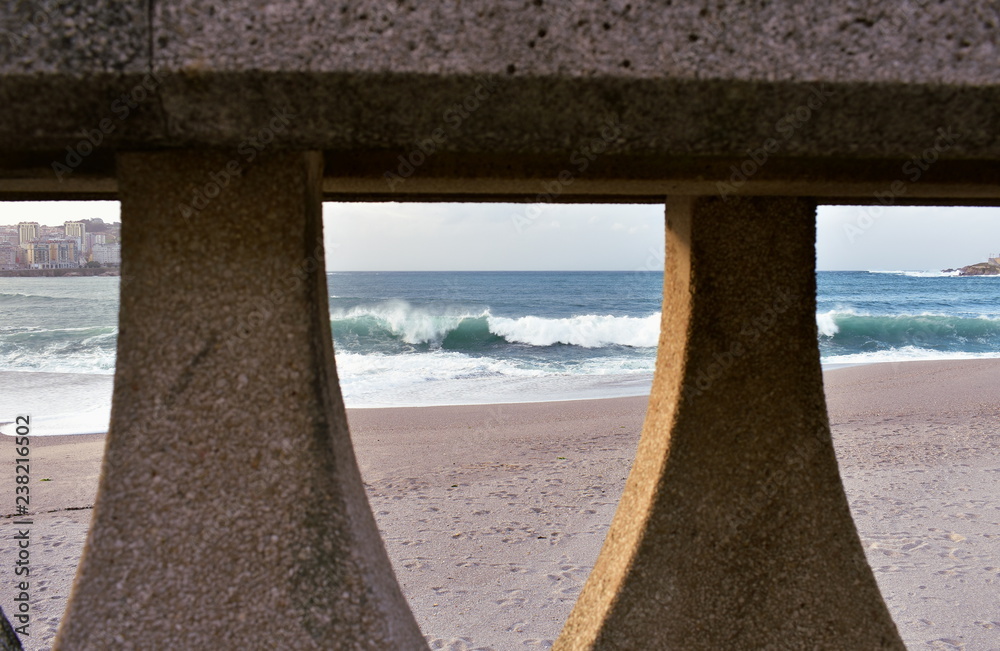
x=493 y=515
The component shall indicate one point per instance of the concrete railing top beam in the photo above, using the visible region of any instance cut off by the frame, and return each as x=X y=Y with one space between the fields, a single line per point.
x=916 y=42
x=603 y=91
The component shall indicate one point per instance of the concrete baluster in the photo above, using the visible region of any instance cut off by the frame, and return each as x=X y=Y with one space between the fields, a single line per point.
x=231 y=512
x=734 y=531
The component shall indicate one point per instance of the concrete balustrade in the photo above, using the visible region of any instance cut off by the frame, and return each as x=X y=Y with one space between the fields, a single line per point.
x=230 y=493
x=734 y=531
x=230 y=512
x=230 y=499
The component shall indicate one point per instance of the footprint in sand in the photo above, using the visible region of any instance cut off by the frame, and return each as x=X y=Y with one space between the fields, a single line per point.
x=454 y=644
x=440 y=591
x=416 y=563
x=412 y=543
x=954 y=570
x=514 y=602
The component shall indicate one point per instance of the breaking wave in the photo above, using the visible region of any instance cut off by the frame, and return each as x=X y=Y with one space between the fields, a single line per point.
x=399 y=322
x=851 y=333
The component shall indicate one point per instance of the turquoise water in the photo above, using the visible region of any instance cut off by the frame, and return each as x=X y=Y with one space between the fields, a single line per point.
x=483 y=337
x=446 y=338
x=893 y=316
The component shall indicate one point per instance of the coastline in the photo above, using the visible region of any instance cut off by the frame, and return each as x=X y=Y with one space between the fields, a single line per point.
x=504 y=507
x=71 y=272
x=37 y=392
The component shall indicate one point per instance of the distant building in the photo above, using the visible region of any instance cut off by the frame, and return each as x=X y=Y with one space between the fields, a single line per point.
x=52 y=254
x=27 y=232
x=92 y=240
x=107 y=254
x=78 y=232
x=9 y=255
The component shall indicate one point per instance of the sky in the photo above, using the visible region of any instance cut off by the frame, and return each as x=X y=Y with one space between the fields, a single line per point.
x=479 y=237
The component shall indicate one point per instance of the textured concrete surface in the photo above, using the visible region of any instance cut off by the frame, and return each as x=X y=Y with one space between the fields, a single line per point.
x=842 y=40
x=526 y=115
x=526 y=82
x=74 y=38
x=733 y=531
x=851 y=40
x=230 y=512
x=230 y=495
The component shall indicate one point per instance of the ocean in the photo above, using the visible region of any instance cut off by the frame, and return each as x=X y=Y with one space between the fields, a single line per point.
x=441 y=338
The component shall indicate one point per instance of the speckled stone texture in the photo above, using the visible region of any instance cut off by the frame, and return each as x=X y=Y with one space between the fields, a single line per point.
x=696 y=79
x=734 y=531
x=231 y=513
x=917 y=42
x=74 y=37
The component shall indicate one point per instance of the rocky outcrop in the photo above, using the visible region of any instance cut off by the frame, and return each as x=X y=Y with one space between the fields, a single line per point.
x=980 y=269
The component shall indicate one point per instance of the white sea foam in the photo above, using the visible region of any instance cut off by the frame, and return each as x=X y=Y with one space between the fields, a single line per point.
x=383 y=371
x=413 y=325
x=57 y=403
x=91 y=361
x=416 y=325
x=826 y=322
x=589 y=331
x=917 y=274
x=486 y=391
x=61 y=350
x=904 y=354
x=444 y=377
